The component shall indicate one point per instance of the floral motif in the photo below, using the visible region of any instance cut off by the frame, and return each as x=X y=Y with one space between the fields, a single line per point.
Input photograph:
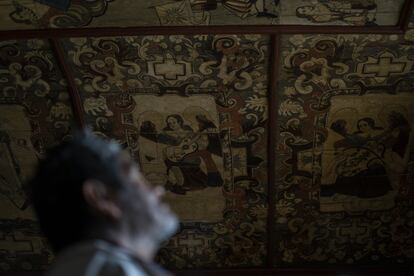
x=60 y=111
x=33 y=81
x=409 y=35
x=289 y=107
x=95 y=106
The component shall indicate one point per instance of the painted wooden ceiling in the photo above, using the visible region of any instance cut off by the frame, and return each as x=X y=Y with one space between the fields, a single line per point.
x=282 y=116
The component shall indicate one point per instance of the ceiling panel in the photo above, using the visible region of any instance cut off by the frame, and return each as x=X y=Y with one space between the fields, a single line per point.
x=35 y=113
x=27 y=14
x=345 y=128
x=193 y=111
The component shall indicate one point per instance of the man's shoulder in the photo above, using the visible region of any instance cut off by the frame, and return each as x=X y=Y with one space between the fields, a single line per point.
x=95 y=258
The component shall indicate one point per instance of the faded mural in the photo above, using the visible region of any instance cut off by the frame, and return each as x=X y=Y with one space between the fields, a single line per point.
x=35 y=113
x=180 y=147
x=18 y=155
x=193 y=111
x=29 y=14
x=345 y=145
x=341 y=12
x=366 y=152
x=206 y=12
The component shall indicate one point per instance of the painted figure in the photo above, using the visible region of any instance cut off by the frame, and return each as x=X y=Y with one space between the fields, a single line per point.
x=353 y=12
x=365 y=159
x=10 y=173
x=199 y=12
x=242 y=8
x=185 y=153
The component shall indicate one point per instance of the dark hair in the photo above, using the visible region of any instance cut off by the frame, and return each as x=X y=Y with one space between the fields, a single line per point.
x=177 y=117
x=56 y=188
x=302 y=15
x=370 y=122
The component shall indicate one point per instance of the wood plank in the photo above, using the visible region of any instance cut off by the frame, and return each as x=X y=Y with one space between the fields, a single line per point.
x=72 y=90
x=271 y=147
x=405 y=16
x=259 y=29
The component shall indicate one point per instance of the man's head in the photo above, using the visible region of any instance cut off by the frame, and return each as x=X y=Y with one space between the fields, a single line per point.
x=89 y=188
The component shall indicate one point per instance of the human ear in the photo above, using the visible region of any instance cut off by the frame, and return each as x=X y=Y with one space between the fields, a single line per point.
x=100 y=199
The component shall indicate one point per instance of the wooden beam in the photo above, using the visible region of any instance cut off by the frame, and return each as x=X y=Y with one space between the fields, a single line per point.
x=379 y=271
x=275 y=50
x=74 y=95
x=393 y=270
x=405 y=15
x=169 y=30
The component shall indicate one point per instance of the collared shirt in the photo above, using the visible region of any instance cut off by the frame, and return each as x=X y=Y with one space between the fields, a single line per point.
x=101 y=258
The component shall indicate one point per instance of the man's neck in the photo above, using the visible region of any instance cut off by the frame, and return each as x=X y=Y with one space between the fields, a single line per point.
x=142 y=248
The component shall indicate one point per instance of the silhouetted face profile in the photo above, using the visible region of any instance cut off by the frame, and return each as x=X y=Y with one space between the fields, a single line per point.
x=141 y=202
x=88 y=188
